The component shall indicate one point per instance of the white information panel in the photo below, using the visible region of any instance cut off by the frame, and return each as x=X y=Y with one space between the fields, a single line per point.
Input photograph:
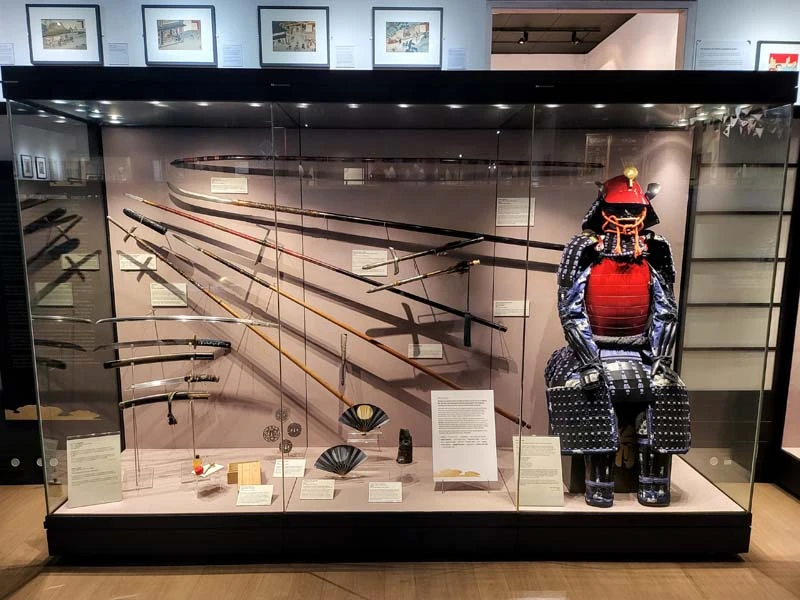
x=59 y=294
x=317 y=489
x=94 y=471
x=289 y=467
x=168 y=295
x=512 y=308
x=464 y=443
x=138 y=262
x=425 y=351
x=254 y=495
x=537 y=465
x=229 y=185
x=723 y=55
x=386 y=491
x=513 y=212
x=80 y=262
x=361 y=257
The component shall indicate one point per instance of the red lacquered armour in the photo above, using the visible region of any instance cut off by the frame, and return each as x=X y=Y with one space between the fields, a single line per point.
x=618 y=297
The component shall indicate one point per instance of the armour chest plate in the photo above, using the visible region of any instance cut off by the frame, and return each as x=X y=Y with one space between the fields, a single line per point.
x=618 y=297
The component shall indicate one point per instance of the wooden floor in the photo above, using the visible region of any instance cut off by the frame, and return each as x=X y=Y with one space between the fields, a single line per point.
x=770 y=571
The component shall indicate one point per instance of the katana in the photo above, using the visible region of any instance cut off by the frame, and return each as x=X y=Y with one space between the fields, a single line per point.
x=58 y=344
x=51 y=363
x=461 y=267
x=304 y=257
x=438 y=251
x=48 y=220
x=371 y=340
x=399 y=225
x=187 y=319
x=163 y=252
x=169 y=398
x=157 y=358
x=204 y=378
x=60 y=319
x=165 y=342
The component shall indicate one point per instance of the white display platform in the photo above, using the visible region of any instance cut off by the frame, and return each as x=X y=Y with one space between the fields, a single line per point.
x=691 y=492
x=793 y=452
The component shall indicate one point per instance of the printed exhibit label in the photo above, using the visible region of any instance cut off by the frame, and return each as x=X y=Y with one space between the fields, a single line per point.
x=514 y=212
x=229 y=185
x=94 y=470
x=425 y=351
x=512 y=308
x=537 y=464
x=317 y=489
x=254 y=495
x=80 y=262
x=361 y=257
x=386 y=491
x=168 y=295
x=48 y=294
x=289 y=467
x=138 y=262
x=464 y=442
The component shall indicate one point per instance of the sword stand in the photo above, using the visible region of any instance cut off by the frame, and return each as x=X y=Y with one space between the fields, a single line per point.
x=141 y=478
x=367 y=441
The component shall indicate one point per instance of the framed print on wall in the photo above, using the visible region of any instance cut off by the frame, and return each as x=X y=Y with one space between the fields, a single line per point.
x=294 y=36
x=407 y=38
x=41 y=167
x=26 y=166
x=778 y=56
x=64 y=34
x=179 y=35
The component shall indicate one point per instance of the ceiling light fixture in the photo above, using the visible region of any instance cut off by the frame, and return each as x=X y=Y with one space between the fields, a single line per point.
x=303 y=105
x=574 y=39
x=599 y=105
x=501 y=106
x=523 y=39
x=648 y=105
x=404 y=105
x=202 y=104
x=455 y=106
x=255 y=104
x=60 y=102
x=552 y=105
x=106 y=102
x=352 y=106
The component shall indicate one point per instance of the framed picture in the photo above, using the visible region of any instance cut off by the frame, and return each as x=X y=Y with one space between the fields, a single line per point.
x=26 y=166
x=41 y=167
x=179 y=35
x=778 y=56
x=64 y=34
x=407 y=38
x=295 y=36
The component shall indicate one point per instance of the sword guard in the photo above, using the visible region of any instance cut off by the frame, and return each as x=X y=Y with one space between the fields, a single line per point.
x=395 y=261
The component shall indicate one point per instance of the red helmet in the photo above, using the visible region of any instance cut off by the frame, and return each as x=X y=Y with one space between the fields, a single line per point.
x=619 y=193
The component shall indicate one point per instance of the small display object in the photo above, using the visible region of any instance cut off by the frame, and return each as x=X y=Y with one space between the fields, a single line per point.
x=26 y=166
x=41 y=167
x=407 y=38
x=405 y=448
x=294 y=36
x=340 y=460
x=64 y=34
x=620 y=317
x=179 y=35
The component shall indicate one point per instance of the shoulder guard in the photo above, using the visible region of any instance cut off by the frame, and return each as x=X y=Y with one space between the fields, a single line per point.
x=576 y=257
x=660 y=257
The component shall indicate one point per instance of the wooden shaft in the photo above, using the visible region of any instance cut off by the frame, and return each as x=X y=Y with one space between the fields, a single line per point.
x=227 y=307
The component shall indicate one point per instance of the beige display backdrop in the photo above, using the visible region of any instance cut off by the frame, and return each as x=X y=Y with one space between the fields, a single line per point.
x=462 y=196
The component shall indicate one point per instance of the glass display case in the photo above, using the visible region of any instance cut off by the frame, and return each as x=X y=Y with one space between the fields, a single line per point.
x=274 y=312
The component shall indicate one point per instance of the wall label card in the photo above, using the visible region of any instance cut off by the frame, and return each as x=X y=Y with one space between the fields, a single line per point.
x=513 y=212
x=254 y=495
x=229 y=185
x=353 y=176
x=317 y=489
x=723 y=55
x=59 y=294
x=464 y=442
x=289 y=467
x=94 y=470
x=7 y=53
x=385 y=491
x=232 y=55
x=117 y=55
x=512 y=308
x=425 y=351
x=344 y=57
x=80 y=262
x=456 y=59
x=168 y=295
x=537 y=465
x=362 y=256
x=138 y=262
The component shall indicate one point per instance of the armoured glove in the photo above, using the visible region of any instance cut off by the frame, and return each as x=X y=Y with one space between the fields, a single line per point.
x=591 y=377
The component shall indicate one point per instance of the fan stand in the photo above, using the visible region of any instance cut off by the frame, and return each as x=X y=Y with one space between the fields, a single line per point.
x=367 y=440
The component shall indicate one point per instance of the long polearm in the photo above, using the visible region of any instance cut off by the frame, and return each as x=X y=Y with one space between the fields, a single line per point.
x=321 y=214
x=303 y=257
x=461 y=267
x=230 y=310
x=438 y=251
x=371 y=340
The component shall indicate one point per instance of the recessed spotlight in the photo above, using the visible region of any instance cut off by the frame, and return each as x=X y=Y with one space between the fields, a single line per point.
x=403 y=105
x=648 y=105
x=155 y=102
x=599 y=105
x=60 y=102
x=501 y=106
x=43 y=114
x=106 y=102
x=40 y=111
x=80 y=110
x=202 y=104
x=460 y=155
x=95 y=115
x=303 y=105
x=60 y=121
x=352 y=106
x=497 y=132
x=305 y=124
x=524 y=38
x=455 y=106
x=552 y=105
x=254 y=104
x=695 y=105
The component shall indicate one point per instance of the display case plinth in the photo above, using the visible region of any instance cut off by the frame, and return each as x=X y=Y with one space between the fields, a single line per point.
x=788 y=471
